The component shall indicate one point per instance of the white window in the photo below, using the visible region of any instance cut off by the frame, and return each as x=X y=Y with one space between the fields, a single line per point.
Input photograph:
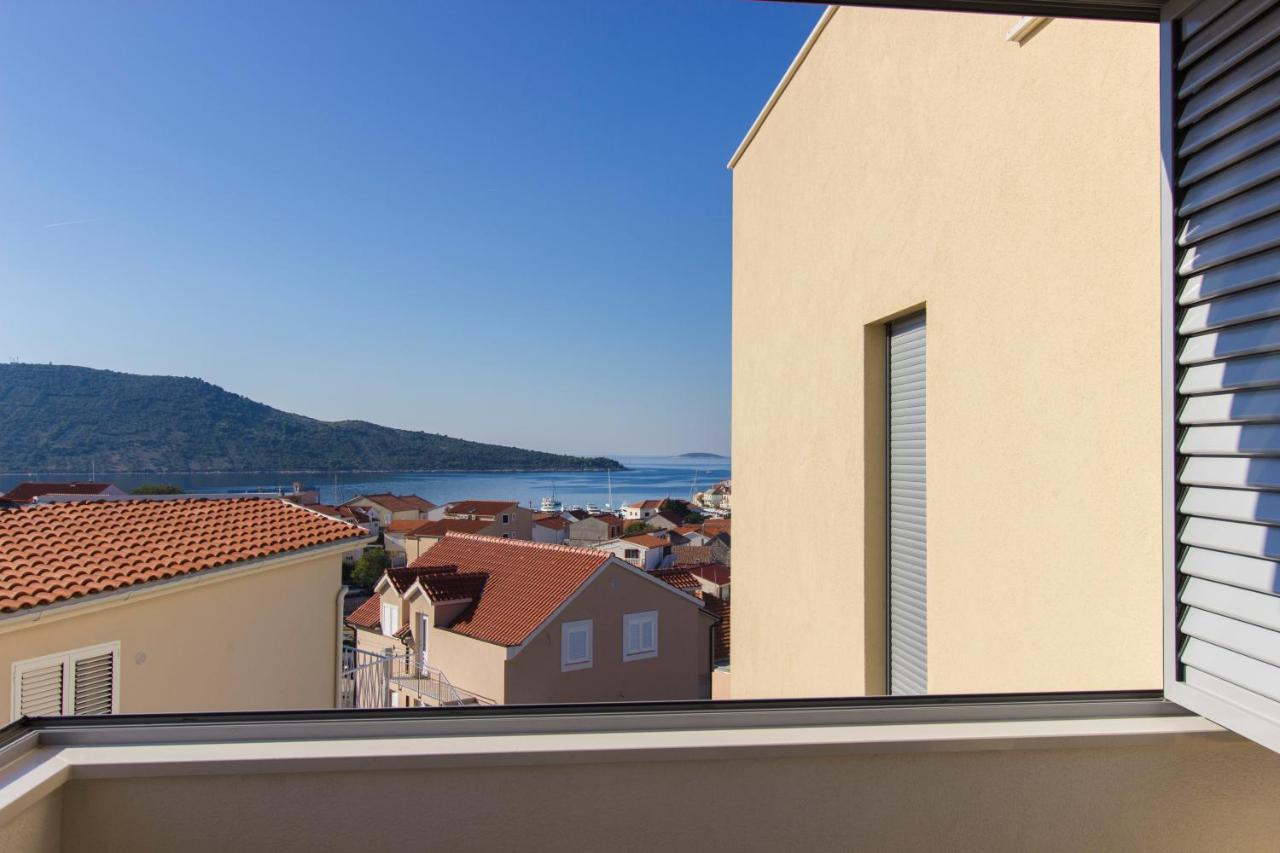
x=640 y=635
x=575 y=645
x=390 y=619
x=83 y=682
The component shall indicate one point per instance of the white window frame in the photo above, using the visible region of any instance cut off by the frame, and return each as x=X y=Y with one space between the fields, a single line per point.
x=566 y=630
x=424 y=632
x=630 y=619
x=68 y=660
x=388 y=630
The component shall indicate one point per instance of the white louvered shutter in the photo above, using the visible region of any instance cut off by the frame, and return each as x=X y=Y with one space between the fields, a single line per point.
x=1222 y=60
x=907 y=581
x=93 y=684
x=38 y=688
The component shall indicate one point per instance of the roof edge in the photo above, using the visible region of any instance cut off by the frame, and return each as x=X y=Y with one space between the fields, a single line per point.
x=782 y=85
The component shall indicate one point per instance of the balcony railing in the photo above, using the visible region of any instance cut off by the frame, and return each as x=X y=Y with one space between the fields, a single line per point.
x=368 y=679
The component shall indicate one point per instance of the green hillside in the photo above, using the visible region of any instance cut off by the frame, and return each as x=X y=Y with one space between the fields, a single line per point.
x=61 y=418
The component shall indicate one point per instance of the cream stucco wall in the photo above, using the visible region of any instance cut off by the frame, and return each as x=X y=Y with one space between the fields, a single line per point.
x=919 y=159
x=263 y=640
x=1181 y=795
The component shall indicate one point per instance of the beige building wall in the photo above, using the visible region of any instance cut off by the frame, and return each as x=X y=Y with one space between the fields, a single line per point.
x=262 y=640
x=919 y=159
x=470 y=664
x=1173 y=796
x=534 y=675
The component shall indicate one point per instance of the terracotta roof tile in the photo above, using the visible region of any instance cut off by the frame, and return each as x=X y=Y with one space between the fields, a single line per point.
x=59 y=551
x=716 y=573
x=555 y=522
x=526 y=581
x=441 y=583
x=480 y=507
x=445 y=525
x=647 y=540
x=680 y=579
x=395 y=503
x=368 y=615
x=693 y=555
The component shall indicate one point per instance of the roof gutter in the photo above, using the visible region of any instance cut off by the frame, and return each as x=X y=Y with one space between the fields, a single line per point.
x=782 y=85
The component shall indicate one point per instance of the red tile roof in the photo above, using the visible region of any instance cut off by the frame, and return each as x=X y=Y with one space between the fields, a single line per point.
x=404 y=525
x=358 y=514
x=440 y=583
x=715 y=526
x=480 y=507
x=444 y=525
x=680 y=579
x=649 y=504
x=693 y=555
x=716 y=573
x=368 y=615
x=555 y=522
x=526 y=583
x=395 y=503
x=579 y=514
x=720 y=637
x=29 y=491
x=59 y=551
x=647 y=540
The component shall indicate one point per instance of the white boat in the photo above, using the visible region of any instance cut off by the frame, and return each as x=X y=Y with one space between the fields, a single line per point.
x=551 y=505
x=592 y=508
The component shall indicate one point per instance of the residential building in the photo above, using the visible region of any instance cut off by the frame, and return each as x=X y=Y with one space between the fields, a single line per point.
x=513 y=521
x=1043 y=418
x=155 y=606
x=386 y=508
x=595 y=528
x=28 y=492
x=512 y=621
x=553 y=528
x=715 y=551
x=644 y=550
x=420 y=539
x=641 y=510
x=716 y=497
x=664 y=520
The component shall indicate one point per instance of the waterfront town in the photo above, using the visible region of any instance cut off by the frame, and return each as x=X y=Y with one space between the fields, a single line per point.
x=383 y=601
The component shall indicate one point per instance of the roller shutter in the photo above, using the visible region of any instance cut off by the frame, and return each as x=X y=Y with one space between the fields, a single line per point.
x=908 y=625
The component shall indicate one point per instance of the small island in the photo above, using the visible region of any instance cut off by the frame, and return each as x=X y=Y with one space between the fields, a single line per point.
x=701 y=456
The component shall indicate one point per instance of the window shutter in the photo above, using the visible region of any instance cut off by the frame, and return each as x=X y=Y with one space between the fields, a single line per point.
x=93 y=690
x=908 y=630
x=39 y=689
x=1221 y=67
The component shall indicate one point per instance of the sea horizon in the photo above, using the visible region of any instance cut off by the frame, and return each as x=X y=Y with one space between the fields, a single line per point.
x=644 y=476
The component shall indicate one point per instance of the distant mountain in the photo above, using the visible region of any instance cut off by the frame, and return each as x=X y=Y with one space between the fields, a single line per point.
x=59 y=418
x=701 y=456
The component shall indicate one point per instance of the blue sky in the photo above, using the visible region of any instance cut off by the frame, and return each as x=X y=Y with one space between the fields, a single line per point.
x=505 y=221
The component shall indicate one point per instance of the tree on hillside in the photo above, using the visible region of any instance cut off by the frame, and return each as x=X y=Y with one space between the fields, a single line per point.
x=157 y=489
x=372 y=563
x=635 y=528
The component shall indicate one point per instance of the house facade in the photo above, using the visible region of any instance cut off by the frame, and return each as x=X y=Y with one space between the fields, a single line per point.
x=644 y=550
x=554 y=529
x=595 y=528
x=1042 y=416
x=512 y=621
x=641 y=510
x=157 y=606
x=386 y=508
x=510 y=520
